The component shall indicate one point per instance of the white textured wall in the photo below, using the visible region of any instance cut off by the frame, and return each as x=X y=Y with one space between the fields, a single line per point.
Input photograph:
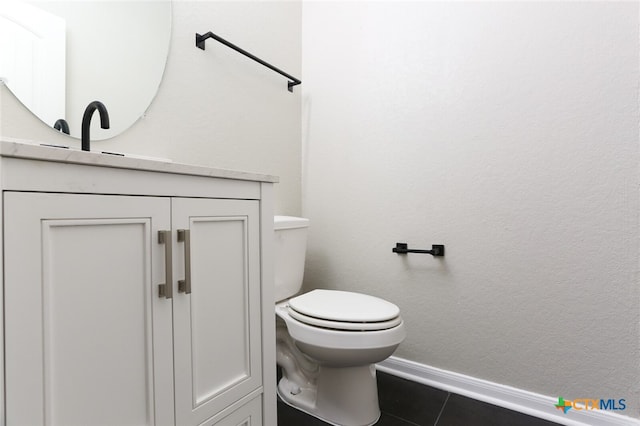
x=214 y=108
x=507 y=131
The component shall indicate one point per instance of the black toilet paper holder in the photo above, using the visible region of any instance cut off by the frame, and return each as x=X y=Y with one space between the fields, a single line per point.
x=403 y=248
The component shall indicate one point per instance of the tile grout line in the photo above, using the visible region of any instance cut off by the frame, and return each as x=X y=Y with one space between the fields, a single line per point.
x=401 y=419
x=442 y=409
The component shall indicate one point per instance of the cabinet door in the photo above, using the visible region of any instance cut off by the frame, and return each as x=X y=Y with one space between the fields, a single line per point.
x=249 y=414
x=88 y=341
x=216 y=326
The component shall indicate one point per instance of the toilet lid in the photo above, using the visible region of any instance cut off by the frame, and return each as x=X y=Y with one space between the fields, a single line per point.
x=344 y=325
x=344 y=306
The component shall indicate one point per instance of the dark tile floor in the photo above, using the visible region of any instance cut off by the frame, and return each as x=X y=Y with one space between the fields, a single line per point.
x=407 y=403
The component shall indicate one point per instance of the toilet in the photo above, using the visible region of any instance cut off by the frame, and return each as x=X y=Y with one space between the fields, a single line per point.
x=328 y=341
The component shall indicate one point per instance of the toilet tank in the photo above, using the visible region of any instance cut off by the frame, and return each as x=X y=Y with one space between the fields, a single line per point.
x=290 y=248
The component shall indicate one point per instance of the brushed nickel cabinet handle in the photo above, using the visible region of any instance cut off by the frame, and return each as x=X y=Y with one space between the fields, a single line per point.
x=184 y=286
x=166 y=289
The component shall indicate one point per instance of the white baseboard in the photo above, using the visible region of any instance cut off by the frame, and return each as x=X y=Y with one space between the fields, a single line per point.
x=526 y=402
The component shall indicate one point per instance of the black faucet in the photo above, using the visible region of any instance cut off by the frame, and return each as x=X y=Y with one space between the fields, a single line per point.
x=86 y=121
x=62 y=125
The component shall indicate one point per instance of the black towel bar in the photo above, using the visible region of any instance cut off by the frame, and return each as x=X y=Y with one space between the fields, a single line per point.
x=200 y=44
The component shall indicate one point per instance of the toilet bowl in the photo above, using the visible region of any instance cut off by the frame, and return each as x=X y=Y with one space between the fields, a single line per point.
x=327 y=340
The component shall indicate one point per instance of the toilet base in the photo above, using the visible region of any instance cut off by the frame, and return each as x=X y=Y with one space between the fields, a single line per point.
x=341 y=396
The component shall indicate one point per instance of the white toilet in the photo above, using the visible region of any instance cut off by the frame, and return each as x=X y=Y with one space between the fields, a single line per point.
x=328 y=341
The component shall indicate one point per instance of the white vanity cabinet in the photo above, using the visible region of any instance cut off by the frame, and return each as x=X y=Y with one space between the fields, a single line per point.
x=134 y=296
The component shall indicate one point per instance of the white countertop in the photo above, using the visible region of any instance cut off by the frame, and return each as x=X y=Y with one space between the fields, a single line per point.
x=16 y=148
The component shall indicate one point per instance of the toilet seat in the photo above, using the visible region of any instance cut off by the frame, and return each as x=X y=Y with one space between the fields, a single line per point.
x=343 y=310
x=347 y=326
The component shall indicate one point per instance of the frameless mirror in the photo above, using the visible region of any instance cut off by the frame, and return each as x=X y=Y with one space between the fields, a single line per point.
x=59 y=56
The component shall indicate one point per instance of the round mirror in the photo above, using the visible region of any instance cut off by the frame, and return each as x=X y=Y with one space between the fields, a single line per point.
x=59 y=56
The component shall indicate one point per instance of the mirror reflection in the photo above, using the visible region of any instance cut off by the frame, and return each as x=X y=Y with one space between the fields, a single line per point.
x=59 y=56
